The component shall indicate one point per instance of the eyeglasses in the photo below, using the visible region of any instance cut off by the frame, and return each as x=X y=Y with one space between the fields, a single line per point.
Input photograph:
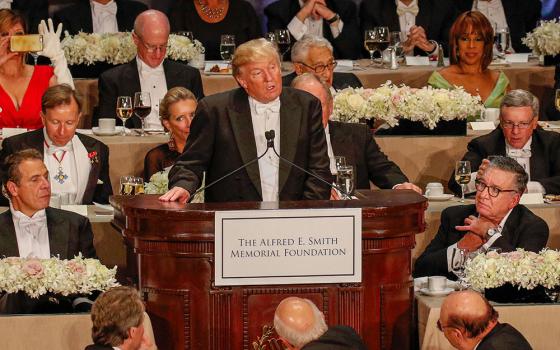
x=153 y=48
x=521 y=125
x=321 y=67
x=493 y=191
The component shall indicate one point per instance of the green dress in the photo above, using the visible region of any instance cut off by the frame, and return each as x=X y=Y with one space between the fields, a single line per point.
x=494 y=99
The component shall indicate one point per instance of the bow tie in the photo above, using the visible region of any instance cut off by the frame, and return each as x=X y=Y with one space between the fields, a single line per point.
x=108 y=9
x=32 y=225
x=52 y=149
x=519 y=153
x=271 y=107
x=402 y=9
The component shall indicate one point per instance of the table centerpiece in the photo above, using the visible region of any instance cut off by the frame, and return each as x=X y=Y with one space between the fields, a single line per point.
x=544 y=40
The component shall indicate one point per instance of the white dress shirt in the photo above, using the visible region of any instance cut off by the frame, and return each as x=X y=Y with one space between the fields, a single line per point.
x=332 y=160
x=494 y=11
x=6 y=4
x=32 y=234
x=267 y=117
x=310 y=26
x=152 y=80
x=104 y=17
x=407 y=15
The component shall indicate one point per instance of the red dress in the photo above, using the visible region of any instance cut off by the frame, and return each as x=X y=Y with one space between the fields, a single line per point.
x=28 y=116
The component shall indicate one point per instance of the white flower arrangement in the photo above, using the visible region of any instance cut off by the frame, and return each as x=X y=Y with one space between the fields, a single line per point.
x=37 y=277
x=158 y=184
x=390 y=103
x=520 y=268
x=545 y=38
x=118 y=48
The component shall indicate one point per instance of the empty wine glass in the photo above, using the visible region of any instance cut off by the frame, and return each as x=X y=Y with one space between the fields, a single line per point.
x=376 y=39
x=124 y=110
x=345 y=180
x=463 y=175
x=396 y=39
x=142 y=107
x=283 y=41
x=227 y=47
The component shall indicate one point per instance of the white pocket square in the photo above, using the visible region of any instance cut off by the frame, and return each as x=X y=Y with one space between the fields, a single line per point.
x=99 y=182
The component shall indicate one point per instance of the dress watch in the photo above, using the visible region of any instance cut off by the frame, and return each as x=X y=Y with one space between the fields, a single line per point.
x=491 y=232
x=335 y=18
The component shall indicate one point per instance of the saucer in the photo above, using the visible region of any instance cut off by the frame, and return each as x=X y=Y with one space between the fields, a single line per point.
x=436 y=293
x=100 y=132
x=441 y=197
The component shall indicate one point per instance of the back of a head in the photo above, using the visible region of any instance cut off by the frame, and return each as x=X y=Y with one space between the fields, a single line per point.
x=298 y=321
x=470 y=311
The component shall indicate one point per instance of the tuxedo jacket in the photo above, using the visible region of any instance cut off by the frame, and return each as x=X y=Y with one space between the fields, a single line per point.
x=337 y=338
x=435 y=16
x=125 y=81
x=222 y=139
x=98 y=347
x=340 y=80
x=522 y=16
x=356 y=143
x=522 y=229
x=33 y=11
x=98 y=186
x=346 y=45
x=504 y=337
x=77 y=17
x=545 y=157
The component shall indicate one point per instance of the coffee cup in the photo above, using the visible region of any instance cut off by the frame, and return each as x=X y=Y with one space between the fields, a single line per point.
x=437 y=283
x=434 y=189
x=107 y=124
x=491 y=114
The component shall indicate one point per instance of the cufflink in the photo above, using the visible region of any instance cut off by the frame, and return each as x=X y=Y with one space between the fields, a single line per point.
x=99 y=182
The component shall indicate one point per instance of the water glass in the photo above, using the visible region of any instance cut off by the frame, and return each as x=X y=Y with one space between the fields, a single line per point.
x=345 y=181
x=227 y=47
x=340 y=161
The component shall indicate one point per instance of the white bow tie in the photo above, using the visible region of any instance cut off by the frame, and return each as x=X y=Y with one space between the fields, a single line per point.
x=402 y=9
x=271 y=107
x=519 y=153
x=108 y=9
x=52 y=149
x=32 y=225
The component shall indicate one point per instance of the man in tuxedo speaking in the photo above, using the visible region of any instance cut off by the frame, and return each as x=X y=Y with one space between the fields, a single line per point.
x=228 y=131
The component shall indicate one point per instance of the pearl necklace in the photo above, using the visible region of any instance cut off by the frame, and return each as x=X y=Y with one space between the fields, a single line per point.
x=210 y=12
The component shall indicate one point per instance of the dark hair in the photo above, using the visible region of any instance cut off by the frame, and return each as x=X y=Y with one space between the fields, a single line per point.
x=476 y=22
x=61 y=94
x=114 y=313
x=510 y=165
x=475 y=325
x=10 y=167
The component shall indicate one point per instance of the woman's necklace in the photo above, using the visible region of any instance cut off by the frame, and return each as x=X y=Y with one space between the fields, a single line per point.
x=209 y=12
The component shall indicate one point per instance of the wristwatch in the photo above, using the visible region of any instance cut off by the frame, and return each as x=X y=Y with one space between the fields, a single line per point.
x=335 y=18
x=491 y=232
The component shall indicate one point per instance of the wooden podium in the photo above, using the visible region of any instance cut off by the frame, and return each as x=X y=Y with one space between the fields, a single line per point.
x=171 y=250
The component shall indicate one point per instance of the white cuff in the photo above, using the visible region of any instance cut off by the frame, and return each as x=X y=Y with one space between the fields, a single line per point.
x=297 y=28
x=491 y=241
x=535 y=187
x=452 y=261
x=336 y=28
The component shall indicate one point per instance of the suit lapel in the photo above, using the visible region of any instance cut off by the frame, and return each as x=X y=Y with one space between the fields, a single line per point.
x=36 y=140
x=508 y=6
x=88 y=171
x=85 y=17
x=58 y=234
x=133 y=77
x=121 y=17
x=390 y=15
x=537 y=164
x=170 y=75
x=342 y=141
x=511 y=224
x=8 y=235
x=290 y=123
x=242 y=126
x=423 y=18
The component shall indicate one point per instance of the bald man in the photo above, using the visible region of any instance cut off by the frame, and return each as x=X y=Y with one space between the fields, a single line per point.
x=148 y=72
x=301 y=325
x=469 y=322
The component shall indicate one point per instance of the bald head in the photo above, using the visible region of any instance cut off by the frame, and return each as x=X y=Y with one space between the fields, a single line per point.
x=315 y=86
x=298 y=321
x=151 y=33
x=468 y=310
x=150 y=21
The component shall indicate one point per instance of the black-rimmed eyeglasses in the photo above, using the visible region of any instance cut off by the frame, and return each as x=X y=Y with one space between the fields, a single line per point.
x=521 y=125
x=493 y=191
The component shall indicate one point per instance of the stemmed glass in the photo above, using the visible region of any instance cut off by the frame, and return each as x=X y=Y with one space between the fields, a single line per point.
x=502 y=40
x=463 y=175
x=124 y=110
x=376 y=39
x=283 y=41
x=557 y=100
x=227 y=47
x=187 y=34
x=340 y=161
x=345 y=180
x=142 y=107
x=396 y=39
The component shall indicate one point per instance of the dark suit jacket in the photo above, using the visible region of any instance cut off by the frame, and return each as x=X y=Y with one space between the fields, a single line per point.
x=222 y=139
x=98 y=347
x=522 y=229
x=340 y=80
x=99 y=170
x=337 y=338
x=522 y=16
x=77 y=17
x=545 y=157
x=435 y=16
x=33 y=11
x=69 y=234
x=125 y=81
x=356 y=143
x=346 y=45
x=504 y=337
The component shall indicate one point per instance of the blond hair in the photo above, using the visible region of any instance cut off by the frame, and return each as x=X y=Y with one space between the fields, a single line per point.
x=253 y=50
x=9 y=18
x=172 y=96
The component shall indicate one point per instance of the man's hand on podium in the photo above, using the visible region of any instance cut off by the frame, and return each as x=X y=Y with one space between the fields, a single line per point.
x=176 y=194
x=408 y=186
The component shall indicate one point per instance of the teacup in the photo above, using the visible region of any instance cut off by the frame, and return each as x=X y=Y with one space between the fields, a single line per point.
x=434 y=189
x=437 y=283
x=107 y=124
x=491 y=114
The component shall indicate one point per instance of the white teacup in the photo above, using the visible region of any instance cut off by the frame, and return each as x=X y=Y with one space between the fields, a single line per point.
x=437 y=283
x=107 y=124
x=491 y=114
x=434 y=189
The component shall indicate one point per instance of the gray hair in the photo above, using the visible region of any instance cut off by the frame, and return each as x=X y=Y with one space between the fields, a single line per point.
x=297 y=338
x=521 y=98
x=302 y=46
x=510 y=165
x=306 y=78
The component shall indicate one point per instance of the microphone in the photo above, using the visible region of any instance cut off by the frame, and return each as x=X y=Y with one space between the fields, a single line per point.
x=270 y=144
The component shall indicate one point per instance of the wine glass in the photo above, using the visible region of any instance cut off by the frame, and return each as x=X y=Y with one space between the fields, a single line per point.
x=124 y=110
x=187 y=34
x=345 y=180
x=142 y=107
x=283 y=41
x=557 y=100
x=227 y=47
x=502 y=40
x=396 y=39
x=463 y=175
x=376 y=39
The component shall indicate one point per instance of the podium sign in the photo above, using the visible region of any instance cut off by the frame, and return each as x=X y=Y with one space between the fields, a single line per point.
x=295 y=246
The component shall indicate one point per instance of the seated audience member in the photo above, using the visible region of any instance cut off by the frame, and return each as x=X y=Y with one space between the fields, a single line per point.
x=148 y=72
x=520 y=138
x=99 y=16
x=78 y=165
x=117 y=316
x=301 y=325
x=229 y=128
x=22 y=85
x=208 y=20
x=520 y=17
x=551 y=112
x=355 y=142
x=471 y=43
x=495 y=220
x=32 y=10
x=313 y=54
x=30 y=228
x=426 y=23
x=176 y=111
x=468 y=321
x=336 y=21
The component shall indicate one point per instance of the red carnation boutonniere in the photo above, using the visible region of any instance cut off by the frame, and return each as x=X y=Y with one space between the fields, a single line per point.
x=93 y=157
